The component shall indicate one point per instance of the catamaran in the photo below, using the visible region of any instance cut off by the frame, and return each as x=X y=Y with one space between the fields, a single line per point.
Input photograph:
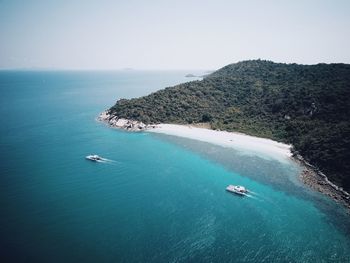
x=94 y=158
x=237 y=189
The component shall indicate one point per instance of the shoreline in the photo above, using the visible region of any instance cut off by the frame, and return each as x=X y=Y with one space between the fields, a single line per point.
x=318 y=181
x=246 y=144
x=262 y=147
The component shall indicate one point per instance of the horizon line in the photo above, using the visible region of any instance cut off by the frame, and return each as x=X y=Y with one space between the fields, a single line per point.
x=155 y=69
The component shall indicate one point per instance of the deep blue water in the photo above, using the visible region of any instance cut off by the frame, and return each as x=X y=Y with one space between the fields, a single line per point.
x=161 y=200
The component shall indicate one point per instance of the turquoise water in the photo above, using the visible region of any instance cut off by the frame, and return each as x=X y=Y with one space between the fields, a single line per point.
x=162 y=198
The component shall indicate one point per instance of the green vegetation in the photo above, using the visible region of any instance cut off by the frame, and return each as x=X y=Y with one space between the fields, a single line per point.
x=306 y=105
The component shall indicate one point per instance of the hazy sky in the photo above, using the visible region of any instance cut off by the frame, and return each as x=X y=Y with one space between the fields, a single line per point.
x=171 y=34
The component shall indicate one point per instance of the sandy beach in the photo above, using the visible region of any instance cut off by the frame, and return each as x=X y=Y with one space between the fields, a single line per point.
x=246 y=144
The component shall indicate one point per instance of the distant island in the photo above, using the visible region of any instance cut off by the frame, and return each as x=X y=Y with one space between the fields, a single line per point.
x=307 y=106
x=190 y=76
x=197 y=76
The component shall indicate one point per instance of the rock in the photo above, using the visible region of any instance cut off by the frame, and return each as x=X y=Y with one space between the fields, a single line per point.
x=121 y=123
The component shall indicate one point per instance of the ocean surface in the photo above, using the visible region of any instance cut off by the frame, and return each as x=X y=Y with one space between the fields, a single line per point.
x=158 y=199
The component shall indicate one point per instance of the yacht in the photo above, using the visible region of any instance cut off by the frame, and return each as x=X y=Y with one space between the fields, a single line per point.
x=94 y=158
x=237 y=189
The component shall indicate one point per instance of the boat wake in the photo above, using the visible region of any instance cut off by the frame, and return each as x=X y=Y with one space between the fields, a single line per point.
x=252 y=196
x=108 y=161
x=260 y=198
x=99 y=159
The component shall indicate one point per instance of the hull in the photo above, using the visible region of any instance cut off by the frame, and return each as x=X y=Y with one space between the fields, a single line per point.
x=235 y=192
x=91 y=159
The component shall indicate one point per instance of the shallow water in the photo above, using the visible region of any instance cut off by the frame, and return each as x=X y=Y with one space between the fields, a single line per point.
x=160 y=199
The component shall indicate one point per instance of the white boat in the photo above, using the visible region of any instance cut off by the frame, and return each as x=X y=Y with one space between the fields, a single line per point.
x=237 y=189
x=94 y=158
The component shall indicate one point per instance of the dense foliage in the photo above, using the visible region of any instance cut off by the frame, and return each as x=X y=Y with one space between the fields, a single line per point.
x=306 y=105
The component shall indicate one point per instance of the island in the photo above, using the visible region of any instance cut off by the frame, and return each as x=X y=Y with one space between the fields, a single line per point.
x=305 y=106
x=190 y=76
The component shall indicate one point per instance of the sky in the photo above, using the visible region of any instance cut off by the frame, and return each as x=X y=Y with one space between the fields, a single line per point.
x=179 y=34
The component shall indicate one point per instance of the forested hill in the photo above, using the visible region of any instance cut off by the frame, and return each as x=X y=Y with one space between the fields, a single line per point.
x=306 y=105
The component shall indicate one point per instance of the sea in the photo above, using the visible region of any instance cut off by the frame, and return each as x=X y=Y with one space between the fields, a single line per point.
x=156 y=198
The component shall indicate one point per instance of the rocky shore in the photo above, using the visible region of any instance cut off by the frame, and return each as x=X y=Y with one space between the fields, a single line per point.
x=318 y=181
x=121 y=123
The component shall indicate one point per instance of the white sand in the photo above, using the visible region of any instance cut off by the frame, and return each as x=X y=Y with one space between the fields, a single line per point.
x=245 y=144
